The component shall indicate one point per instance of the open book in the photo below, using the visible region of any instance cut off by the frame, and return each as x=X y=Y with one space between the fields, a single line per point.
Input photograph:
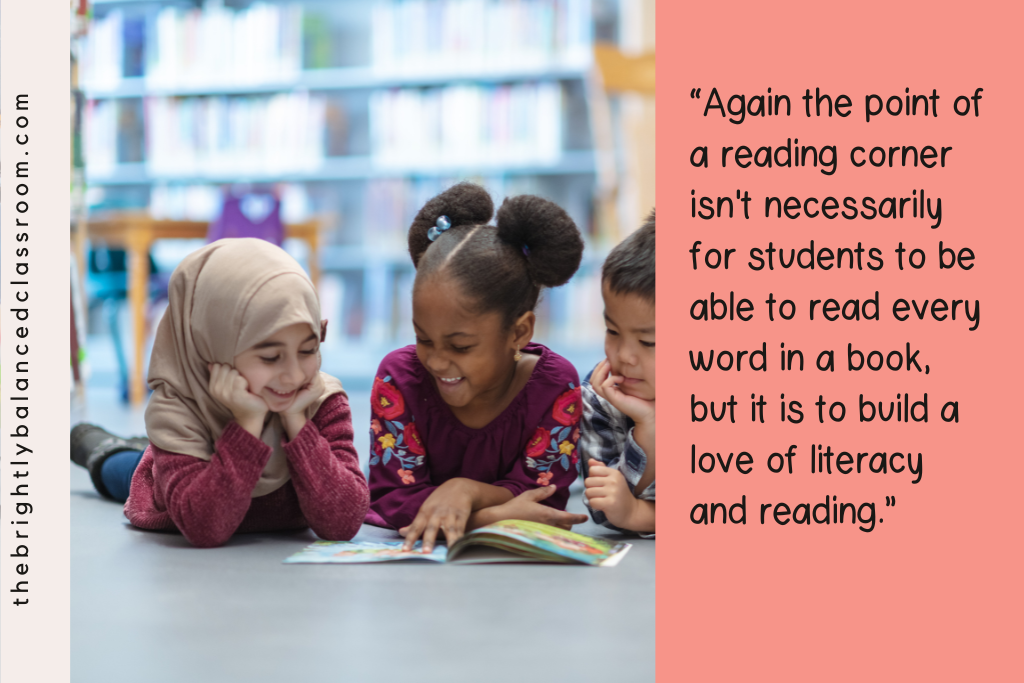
x=505 y=541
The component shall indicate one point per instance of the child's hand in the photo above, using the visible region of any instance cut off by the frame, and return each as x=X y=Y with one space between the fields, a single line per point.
x=605 y=385
x=527 y=506
x=306 y=396
x=294 y=417
x=447 y=509
x=228 y=387
x=608 y=492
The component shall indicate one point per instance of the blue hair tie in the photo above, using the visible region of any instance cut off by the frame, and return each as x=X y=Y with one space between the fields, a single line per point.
x=442 y=224
x=526 y=251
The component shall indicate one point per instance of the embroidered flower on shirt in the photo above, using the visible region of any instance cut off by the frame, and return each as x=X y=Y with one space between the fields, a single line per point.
x=413 y=440
x=538 y=443
x=557 y=447
x=387 y=401
x=399 y=441
x=566 y=410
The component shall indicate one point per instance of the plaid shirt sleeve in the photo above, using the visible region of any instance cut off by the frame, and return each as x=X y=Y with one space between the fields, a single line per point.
x=606 y=435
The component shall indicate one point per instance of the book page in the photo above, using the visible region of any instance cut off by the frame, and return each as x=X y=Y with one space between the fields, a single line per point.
x=540 y=539
x=361 y=552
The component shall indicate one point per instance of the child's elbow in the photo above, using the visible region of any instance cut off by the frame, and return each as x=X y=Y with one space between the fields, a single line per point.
x=207 y=538
x=343 y=530
x=200 y=528
x=344 y=533
x=348 y=522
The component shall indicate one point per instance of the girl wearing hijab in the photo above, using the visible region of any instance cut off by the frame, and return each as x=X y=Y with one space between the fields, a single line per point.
x=244 y=431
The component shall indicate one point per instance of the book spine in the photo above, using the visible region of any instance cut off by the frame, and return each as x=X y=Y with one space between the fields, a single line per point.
x=462 y=35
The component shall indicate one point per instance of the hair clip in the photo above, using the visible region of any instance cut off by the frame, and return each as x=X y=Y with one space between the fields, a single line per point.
x=526 y=251
x=442 y=224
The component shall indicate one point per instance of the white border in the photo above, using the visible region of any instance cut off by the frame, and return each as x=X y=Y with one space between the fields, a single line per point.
x=35 y=60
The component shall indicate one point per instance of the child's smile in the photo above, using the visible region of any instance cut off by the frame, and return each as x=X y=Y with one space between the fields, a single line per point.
x=468 y=354
x=280 y=366
x=285 y=398
x=450 y=388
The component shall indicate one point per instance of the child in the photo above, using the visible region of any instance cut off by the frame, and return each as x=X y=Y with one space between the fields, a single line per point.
x=617 y=434
x=245 y=433
x=475 y=423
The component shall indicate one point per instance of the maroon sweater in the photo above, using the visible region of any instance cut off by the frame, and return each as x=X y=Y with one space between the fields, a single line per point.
x=209 y=501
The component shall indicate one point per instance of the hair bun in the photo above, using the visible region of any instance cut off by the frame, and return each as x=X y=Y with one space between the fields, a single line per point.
x=553 y=244
x=464 y=204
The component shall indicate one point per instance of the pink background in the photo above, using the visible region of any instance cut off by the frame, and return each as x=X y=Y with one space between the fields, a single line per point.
x=934 y=592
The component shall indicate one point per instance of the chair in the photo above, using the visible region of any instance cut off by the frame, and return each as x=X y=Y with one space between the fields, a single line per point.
x=249 y=215
x=107 y=286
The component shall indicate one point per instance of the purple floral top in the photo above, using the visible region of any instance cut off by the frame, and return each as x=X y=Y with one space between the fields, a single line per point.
x=418 y=444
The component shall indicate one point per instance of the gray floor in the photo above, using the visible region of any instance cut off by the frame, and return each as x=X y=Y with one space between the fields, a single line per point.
x=147 y=606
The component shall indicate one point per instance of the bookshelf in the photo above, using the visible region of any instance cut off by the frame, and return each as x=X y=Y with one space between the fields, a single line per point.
x=340 y=168
x=79 y=208
x=357 y=111
x=344 y=78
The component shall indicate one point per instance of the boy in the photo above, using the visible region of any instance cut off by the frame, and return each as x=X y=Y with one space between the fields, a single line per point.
x=617 y=432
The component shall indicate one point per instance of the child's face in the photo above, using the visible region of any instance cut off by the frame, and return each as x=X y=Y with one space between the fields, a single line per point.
x=468 y=354
x=281 y=365
x=629 y=341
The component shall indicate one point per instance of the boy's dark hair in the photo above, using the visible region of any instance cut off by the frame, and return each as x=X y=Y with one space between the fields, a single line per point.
x=629 y=268
x=534 y=244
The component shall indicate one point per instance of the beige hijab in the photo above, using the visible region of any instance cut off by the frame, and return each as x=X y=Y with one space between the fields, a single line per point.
x=223 y=299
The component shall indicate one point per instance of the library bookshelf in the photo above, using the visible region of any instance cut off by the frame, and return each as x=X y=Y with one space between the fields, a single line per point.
x=355 y=112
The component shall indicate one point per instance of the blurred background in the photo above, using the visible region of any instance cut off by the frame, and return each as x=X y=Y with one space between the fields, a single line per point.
x=326 y=125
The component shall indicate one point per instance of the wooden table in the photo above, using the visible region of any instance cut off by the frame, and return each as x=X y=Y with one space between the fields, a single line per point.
x=136 y=232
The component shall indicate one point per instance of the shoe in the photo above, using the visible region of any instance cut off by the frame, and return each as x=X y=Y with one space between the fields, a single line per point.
x=139 y=443
x=92 y=445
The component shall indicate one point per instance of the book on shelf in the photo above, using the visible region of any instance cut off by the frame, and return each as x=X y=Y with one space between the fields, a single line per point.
x=507 y=541
x=102 y=52
x=174 y=47
x=454 y=128
x=100 y=135
x=467 y=35
x=467 y=125
x=215 y=136
x=190 y=47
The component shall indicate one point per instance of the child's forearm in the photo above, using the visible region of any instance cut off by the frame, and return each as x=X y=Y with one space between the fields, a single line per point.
x=488 y=495
x=207 y=500
x=642 y=518
x=483 y=517
x=492 y=514
x=293 y=424
x=252 y=424
x=644 y=437
x=495 y=509
x=332 y=492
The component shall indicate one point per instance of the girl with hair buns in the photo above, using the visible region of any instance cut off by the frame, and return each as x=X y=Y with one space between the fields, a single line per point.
x=245 y=432
x=475 y=423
